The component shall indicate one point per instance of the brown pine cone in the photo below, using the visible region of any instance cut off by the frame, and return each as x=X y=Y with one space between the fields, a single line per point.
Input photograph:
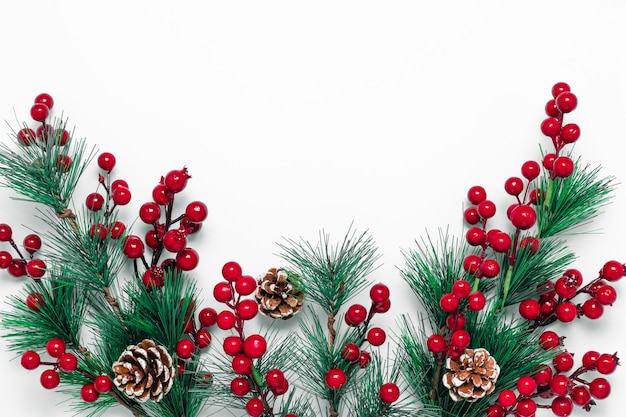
x=144 y=371
x=472 y=376
x=277 y=296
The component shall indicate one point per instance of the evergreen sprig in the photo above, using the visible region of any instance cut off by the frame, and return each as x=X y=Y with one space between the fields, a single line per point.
x=331 y=275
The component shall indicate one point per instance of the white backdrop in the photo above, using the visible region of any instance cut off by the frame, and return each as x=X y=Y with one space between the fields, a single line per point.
x=294 y=117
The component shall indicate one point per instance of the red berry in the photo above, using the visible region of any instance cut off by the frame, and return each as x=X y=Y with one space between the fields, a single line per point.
x=566 y=101
x=226 y=320
x=240 y=386
x=336 y=378
x=560 y=384
x=150 y=212
x=589 y=358
x=231 y=271
x=496 y=410
x=529 y=309
x=26 y=136
x=461 y=289
x=103 y=384
x=222 y=292
x=45 y=98
x=207 y=317
x=364 y=359
x=486 y=209
x=379 y=293
x=549 y=340
x=526 y=407
x=64 y=163
x=187 y=259
x=566 y=312
x=133 y=247
x=274 y=378
x=185 y=348
x=471 y=263
x=606 y=363
x=254 y=346
x=548 y=160
x=563 y=362
x=106 y=161
x=121 y=196
x=174 y=241
x=247 y=309
x=611 y=270
x=471 y=215
x=592 y=309
x=50 y=379
x=196 y=211
x=455 y=321
x=514 y=186
x=475 y=236
x=460 y=338
x=376 y=336
x=55 y=347
x=449 y=303
x=476 y=301
x=507 y=398
x=500 y=242
x=606 y=294
x=563 y=166
x=562 y=406
x=36 y=268
x=242 y=364
x=600 y=388
x=543 y=376
x=526 y=386
x=580 y=395
x=436 y=343
x=6 y=233
x=32 y=243
x=176 y=180
x=17 y=268
x=5 y=259
x=355 y=315
x=203 y=338
x=232 y=345
x=30 y=359
x=531 y=243
x=44 y=132
x=161 y=195
x=118 y=183
x=89 y=393
x=350 y=352
x=476 y=194
x=489 y=268
x=39 y=112
x=530 y=170
x=245 y=285
x=550 y=127
x=117 y=230
x=255 y=407
x=558 y=88
x=570 y=133
x=523 y=217
x=68 y=362
x=94 y=201
x=389 y=392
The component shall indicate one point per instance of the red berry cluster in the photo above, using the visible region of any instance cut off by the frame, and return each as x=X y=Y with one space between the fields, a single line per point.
x=168 y=233
x=358 y=316
x=45 y=134
x=20 y=265
x=558 y=384
x=64 y=361
x=555 y=302
x=245 y=349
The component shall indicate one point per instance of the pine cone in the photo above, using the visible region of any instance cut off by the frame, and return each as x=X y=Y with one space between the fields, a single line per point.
x=277 y=296
x=144 y=371
x=472 y=376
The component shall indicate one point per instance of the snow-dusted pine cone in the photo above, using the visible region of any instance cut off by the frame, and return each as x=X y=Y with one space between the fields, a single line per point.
x=277 y=296
x=472 y=376
x=144 y=371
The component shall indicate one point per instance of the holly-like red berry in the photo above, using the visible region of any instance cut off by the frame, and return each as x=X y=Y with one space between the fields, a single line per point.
x=161 y=195
x=176 y=180
x=592 y=309
x=150 y=212
x=560 y=384
x=203 y=338
x=103 y=384
x=566 y=101
x=55 y=347
x=558 y=88
x=44 y=98
x=389 y=392
x=6 y=233
x=245 y=285
x=207 y=317
x=26 y=136
x=17 y=268
x=570 y=133
x=68 y=362
x=355 y=315
x=274 y=378
x=350 y=352
x=89 y=393
x=255 y=407
x=336 y=378
x=523 y=217
x=475 y=236
x=240 y=386
x=231 y=271
x=222 y=292
x=39 y=112
x=242 y=364
x=50 y=379
x=606 y=363
x=121 y=196
x=461 y=289
x=449 y=303
x=526 y=386
x=379 y=293
x=460 y=338
x=476 y=301
x=611 y=270
x=133 y=247
x=529 y=309
x=476 y=194
x=580 y=395
x=196 y=211
x=185 y=348
x=364 y=358
x=531 y=170
x=376 y=336
x=117 y=230
x=106 y=161
x=30 y=359
x=514 y=186
x=563 y=362
x=563 y=166
x=32 y=243
x=174 y=241
x=507 y=398
x=566 y=311
x=599 y=388
x=232 y=345
x=526 y=407
x=187 y=259
x=247 y=309
x=550 y=127
x=254 y=346
x=226 y=320
x=436 y=343
x=36 y=268
x=35 y=301
x=489 y=268
x=549 y=340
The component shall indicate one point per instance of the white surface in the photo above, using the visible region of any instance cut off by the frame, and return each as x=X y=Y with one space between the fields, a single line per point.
x=298 y=116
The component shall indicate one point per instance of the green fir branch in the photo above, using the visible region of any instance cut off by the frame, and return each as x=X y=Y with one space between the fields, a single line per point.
x=330 y=275
x=33 y=172
x=572 y=202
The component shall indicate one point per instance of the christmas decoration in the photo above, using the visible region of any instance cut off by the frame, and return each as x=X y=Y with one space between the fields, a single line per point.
x=483 y=346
